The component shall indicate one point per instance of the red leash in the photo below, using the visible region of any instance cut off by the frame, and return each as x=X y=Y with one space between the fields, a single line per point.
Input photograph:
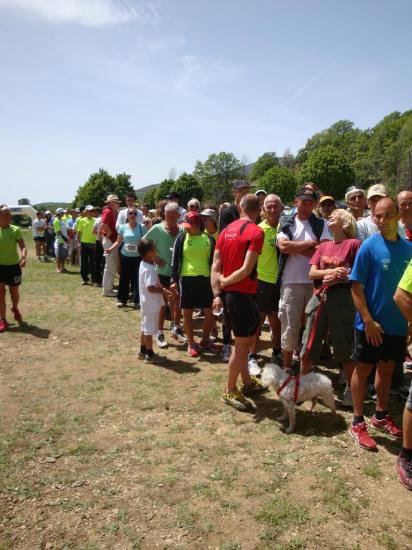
x=321 y=293
x=286 y=382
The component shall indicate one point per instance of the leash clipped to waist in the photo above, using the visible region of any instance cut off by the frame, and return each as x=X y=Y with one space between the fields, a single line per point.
x=286 y=382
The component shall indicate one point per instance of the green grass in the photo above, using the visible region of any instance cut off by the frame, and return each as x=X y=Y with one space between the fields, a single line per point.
x=280 y=514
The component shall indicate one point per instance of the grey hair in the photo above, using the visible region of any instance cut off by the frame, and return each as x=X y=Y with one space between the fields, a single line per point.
x=193 y=201
x=172 y=207
x=272 y=197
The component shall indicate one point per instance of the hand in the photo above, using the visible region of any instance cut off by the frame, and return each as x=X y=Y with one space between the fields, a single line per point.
x=23 y=262
x=373 y=332
x=341 y=272
x=174 y=289
x=222 y=281
x=109 y=250
x=409 y=335
x=166 y=293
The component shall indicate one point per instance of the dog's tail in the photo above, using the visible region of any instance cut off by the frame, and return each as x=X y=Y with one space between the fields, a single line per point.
x=268 y=376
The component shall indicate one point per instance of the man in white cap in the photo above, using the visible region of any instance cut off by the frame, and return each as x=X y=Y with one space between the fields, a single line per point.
x=61 y=240
x=109 y=233
x=355 y=198
x=367 y=227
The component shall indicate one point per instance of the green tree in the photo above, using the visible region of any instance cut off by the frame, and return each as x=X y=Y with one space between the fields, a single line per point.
x=100 y=185
x=264 y=163
x=151 y=197
x=216 y=174
x=279 y=180
x=23 y=201
x=188 y=187
x=329 y=169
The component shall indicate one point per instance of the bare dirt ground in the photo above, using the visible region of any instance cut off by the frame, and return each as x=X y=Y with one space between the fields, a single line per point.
x=100 y=451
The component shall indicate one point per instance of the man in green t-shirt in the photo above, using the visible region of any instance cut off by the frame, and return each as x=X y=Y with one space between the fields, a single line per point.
x=267 y=272
x=10 y=265
x=87 y=239
x=403 y=298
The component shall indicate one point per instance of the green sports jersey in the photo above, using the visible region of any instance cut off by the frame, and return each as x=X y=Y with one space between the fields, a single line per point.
x=267 y=266
x=406 y=282
x=8 y=245
x=164 y=244
x=85 y=227
x=196 y=254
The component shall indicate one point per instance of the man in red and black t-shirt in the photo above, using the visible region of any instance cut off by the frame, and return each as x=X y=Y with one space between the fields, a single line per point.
x=234 y=286
x=109 y=233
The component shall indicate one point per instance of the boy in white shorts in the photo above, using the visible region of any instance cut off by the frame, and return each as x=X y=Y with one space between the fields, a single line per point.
x=151 y=301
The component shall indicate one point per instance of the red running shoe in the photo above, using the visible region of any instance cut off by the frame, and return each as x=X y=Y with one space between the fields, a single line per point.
x=404 y=469
x=17 y=314
x=3 y=325
x=209 y=346
x=360 y=434
x=193 y=351
x=387 y=425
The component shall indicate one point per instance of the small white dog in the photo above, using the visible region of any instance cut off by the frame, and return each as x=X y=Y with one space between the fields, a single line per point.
x=311 y=387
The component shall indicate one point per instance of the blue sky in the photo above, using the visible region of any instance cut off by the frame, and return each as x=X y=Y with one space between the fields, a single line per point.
x=144 y=87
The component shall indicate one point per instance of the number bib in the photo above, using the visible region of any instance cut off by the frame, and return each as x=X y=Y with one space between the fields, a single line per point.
x=131 y=248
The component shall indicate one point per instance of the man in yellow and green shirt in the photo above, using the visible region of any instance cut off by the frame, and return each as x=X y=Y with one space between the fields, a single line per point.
x=87 y=239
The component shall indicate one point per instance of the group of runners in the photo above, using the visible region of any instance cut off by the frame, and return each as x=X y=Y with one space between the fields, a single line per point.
x=326 y=280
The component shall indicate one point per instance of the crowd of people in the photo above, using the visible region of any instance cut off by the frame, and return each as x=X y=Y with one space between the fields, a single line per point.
x=328 y=280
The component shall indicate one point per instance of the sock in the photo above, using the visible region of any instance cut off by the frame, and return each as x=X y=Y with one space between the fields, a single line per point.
x=149 y=352
x=406 y=453
x=143 y=350
x=358 y=420
x=380 y=415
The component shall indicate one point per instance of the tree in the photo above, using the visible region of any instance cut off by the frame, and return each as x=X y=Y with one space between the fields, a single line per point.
x=263 y=164
x=279 y=180
x=23 y=201
x=188 y=187
x=216 y=174
x=100 y=185
x=329 y=168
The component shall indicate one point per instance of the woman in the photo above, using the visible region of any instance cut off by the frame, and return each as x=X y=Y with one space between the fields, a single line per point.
x=193 y=205
x=147 y=222
x=191 y=264
x=160 y=212
x=10 y=265
x=331 y=308
x=129 y=236
x=209 y=218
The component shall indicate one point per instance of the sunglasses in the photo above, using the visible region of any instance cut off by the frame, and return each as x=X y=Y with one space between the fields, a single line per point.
x=194 y=206
x=132 y=214
x=146 y=223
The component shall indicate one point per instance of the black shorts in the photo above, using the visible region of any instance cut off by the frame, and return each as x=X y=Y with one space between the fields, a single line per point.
x=195 y=292
x=10 y=275
x=164 y=280
x=391 y=349
x=268 y=297
x=40 y=239
x=241 y=312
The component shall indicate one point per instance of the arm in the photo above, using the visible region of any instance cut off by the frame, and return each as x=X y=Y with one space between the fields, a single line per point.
x=331 y=273
x=116 y=244
x=403 y=300
x=373 y=329
x=241 y=273
x=105 y=228
x=296 y=247
x=217 y=268
x=23 y=251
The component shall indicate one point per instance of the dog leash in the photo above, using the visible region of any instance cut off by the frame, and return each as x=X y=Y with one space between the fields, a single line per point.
x=320 y=292
x=286 y=382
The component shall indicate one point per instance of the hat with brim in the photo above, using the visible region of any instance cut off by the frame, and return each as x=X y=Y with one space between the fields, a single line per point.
x=59 y=211
x=377 y=190
x=209 y=213
x=240 y=184
x=305 y=195
x=173 y=195
x=260 y=192
x=191 y=218
x=325 y=198
x=112 y=198
x=89 y=208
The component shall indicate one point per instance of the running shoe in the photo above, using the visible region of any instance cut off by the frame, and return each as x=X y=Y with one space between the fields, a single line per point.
x=120 y=305
x=237 y=400
x=387 y=425
x=253 y=388
x=84 y=283
x=161 y=340
x=404 y=469
x=155 y=359
x=253 y=367
x=226 y=352
x=347 y=397
x=17 y=314
x=110 y=294
x=360 y=434
x=177 y=334
x=4 y=325
x=193 y=350
x=209 y=346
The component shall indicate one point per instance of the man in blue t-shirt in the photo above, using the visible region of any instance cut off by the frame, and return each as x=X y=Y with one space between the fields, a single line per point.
x=380 y=328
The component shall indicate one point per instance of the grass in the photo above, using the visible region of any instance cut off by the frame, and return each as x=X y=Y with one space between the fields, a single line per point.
x=280 y=514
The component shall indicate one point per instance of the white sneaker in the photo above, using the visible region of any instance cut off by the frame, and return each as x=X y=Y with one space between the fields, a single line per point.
x=347 y=397
x=177 y=334
x=120 y=304
x=226 y=352
x=161 y=340
x=253 y=367
x=110 y=294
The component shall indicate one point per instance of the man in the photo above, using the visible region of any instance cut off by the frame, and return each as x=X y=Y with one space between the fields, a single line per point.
x=99 y=258
x=404 y=200
x=326 y=206
x=61 y=241
x=234 y=287
x=380 y=328
x=146 y=210
x=261 y=195
x=71 y=225
x=366 y=226
x=403 y=299
x=240 y=188
x=267 y=271
x=109 y=233
x=356 y=201
x=49 y=234
x=87 y=239
x=130 y=203
x=174 y=196
x=298 y=236
x=39 y=235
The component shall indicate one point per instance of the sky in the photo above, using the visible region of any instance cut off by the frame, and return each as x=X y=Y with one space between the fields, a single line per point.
x=144 y=87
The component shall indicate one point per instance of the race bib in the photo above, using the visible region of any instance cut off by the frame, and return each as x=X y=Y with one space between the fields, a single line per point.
x=132 y=248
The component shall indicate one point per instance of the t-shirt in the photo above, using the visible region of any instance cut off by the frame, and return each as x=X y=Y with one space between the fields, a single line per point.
x=379 y=266
x=228 y=216
x=297 y=266
x=60 y=226
x=109 y=218
x=8 y=245
x=365 y=228
x=38 y=227
x=97 y=226
x=122 y=217
x=196 y=255
x=131 y=237
x=149 y=302
x=267 y=266
x=406 y=282
x=330 y=254
x=164 y=243
x=85 y=227
x=182 y=214
x=233 y=244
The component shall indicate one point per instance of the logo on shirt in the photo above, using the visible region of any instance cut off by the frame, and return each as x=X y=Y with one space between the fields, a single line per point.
x=386 y=262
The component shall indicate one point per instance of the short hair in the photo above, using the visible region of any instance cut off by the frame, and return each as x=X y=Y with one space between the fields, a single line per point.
x=393 y=203
x=131 y=195
x=348 y=222
x=145 y=246
x=272 y=197
x=172 y=207
x=193 y=201
x=250 y=203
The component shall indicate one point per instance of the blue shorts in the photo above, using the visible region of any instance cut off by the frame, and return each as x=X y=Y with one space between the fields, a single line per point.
x=61 y=251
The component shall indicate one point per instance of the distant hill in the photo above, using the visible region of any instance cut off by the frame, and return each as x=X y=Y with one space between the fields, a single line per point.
x=140 y=193
x=52 y=206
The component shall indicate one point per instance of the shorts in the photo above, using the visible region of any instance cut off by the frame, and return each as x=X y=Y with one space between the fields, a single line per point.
x=268 y=297
x=10 y=275
x=195 y=292
x=391 y=349
x=409 y=400
x=241 y=312
x=292 y=304
x=60 y=251
x=149 y=323
x=164 y=280
x=40 y=239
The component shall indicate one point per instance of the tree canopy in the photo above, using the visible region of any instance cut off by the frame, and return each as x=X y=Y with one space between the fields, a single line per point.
x=216 y=174
x=263 y=164
x=279 y=180
x=100 y=185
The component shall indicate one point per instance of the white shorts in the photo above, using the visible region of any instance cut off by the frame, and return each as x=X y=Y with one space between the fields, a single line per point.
x=293 y=300
x=149 y=323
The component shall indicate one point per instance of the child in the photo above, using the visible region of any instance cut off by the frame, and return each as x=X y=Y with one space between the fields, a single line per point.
x=151 y=301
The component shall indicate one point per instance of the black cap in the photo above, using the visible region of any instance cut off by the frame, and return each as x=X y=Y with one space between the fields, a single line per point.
x=306 y=195
x=173 y=194
x=240 y=184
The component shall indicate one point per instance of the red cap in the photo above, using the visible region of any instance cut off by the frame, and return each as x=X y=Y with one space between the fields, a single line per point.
x=191 y=218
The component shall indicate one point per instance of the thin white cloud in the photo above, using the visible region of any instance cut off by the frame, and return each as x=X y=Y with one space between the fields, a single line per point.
x=92 y=13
